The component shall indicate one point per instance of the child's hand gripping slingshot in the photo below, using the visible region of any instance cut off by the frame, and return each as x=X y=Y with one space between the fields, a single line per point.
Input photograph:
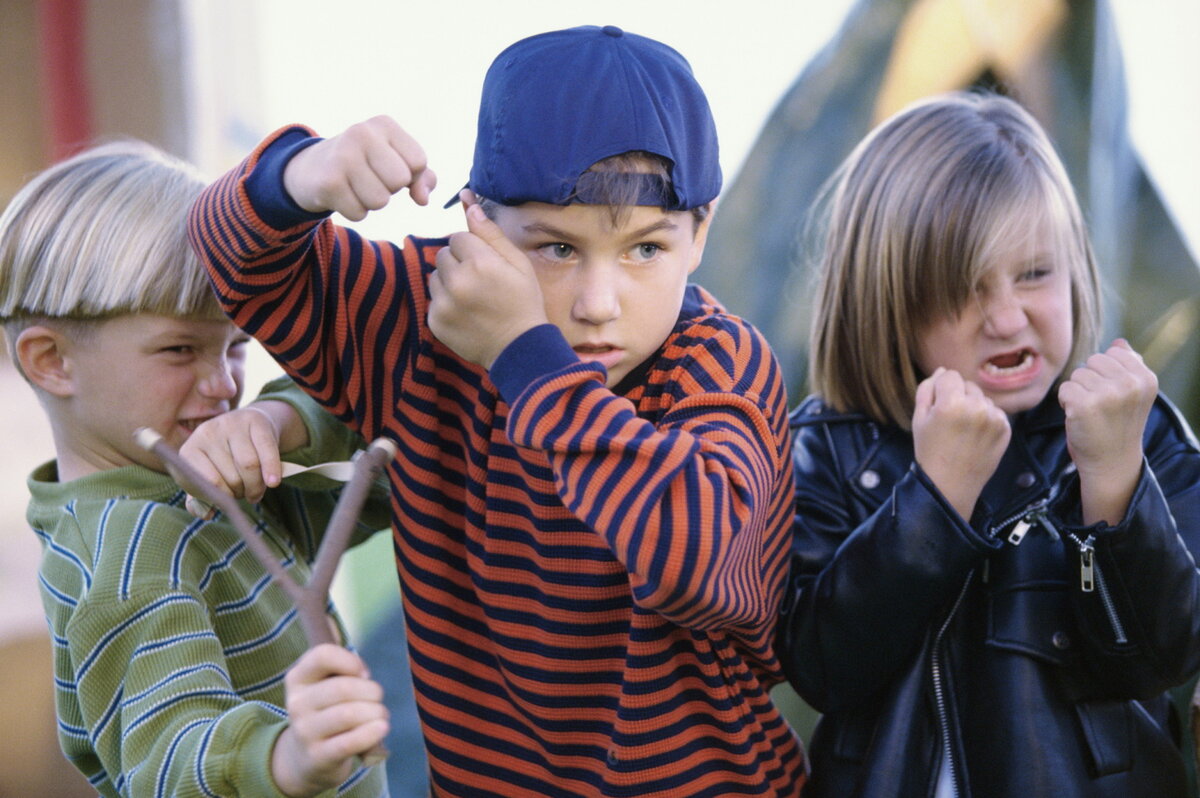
x=310 y=599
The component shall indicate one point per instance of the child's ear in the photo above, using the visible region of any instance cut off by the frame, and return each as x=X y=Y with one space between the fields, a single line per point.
x=42 y=354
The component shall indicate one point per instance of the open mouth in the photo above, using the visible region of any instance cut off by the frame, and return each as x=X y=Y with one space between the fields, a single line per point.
x=606 y=355
x=1009 y=363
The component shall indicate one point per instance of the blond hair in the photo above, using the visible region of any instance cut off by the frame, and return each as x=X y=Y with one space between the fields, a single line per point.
x=911 y=221
x=103 y=234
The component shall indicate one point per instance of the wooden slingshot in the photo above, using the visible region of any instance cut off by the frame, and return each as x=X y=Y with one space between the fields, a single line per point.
x=310 y=599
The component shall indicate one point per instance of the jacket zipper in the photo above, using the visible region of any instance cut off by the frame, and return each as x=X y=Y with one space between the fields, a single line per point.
x=1031 y=515
x=1025 y=520
x=939 y=690
x=1090 y=579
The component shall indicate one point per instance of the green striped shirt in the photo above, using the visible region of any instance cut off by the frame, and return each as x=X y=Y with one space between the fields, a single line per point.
x=170 y=640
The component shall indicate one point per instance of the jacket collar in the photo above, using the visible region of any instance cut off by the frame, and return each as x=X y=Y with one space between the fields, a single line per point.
x=1047 y=415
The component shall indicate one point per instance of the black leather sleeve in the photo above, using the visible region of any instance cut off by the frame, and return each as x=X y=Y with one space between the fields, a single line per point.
x=871 y=571
x=1142 y=631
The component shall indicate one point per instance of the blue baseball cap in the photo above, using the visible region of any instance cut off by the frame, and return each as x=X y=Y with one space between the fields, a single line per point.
x=556 y=103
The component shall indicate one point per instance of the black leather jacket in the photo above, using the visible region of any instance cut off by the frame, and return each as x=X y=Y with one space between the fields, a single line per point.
x=1031 y=650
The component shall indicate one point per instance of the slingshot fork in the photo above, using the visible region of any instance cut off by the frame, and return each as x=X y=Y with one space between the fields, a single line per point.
x=310 y=599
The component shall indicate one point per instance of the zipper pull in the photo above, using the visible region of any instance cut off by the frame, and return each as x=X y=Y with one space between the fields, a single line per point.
x=1034 y=514
x=1087 y=569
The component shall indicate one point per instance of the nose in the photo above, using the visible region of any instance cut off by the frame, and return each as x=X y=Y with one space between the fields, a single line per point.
x=218 y=380
x=597 y=293
x=1004 y=314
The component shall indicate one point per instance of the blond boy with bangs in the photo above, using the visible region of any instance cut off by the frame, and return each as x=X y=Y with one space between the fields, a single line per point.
x=173 y=651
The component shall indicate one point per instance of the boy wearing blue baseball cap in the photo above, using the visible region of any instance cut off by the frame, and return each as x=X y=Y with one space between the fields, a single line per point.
x=591 y=497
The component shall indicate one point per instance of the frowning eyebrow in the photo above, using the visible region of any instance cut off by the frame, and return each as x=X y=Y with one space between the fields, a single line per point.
x=174 y=336
x=541 y=228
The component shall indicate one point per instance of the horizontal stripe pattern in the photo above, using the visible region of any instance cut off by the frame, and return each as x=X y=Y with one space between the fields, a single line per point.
x=591 y=581
x=171 y=645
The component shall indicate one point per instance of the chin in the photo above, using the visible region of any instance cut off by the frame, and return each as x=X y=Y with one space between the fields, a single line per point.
x=1019 y=404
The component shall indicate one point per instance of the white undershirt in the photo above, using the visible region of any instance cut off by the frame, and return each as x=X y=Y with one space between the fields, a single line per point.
x=945 y=782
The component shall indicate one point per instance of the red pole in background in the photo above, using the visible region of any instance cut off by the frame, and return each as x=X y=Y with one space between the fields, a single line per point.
x=66 y=100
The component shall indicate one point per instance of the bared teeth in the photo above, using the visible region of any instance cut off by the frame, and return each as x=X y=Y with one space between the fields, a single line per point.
x=1012 y=361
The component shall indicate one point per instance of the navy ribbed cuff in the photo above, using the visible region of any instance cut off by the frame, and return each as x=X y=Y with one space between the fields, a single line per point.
x=533 y=354
x=264 y=185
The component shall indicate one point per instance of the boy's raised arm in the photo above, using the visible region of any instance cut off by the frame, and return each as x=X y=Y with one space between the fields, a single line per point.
x=281 y=269
x=694 y=504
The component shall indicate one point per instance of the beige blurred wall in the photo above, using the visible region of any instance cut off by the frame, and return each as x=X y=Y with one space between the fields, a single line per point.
x=135 y=57
x=20 y=125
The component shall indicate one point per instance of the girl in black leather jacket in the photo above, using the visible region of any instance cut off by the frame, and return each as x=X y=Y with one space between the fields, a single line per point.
x=993 y=583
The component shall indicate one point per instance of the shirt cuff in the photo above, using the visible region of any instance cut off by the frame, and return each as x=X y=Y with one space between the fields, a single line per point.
x=531 y=355
x=249 y=762
x=264 y=184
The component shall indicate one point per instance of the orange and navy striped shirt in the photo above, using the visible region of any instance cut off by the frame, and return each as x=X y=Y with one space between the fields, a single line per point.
x=591 y=577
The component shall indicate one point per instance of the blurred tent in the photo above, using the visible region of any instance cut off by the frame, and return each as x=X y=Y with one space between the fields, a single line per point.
x=1060 y=59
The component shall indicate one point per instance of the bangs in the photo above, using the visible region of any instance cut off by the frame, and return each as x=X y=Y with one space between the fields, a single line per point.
x=973 y=206
x=622 y=181
x=104 y=234
x=1046 y=227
